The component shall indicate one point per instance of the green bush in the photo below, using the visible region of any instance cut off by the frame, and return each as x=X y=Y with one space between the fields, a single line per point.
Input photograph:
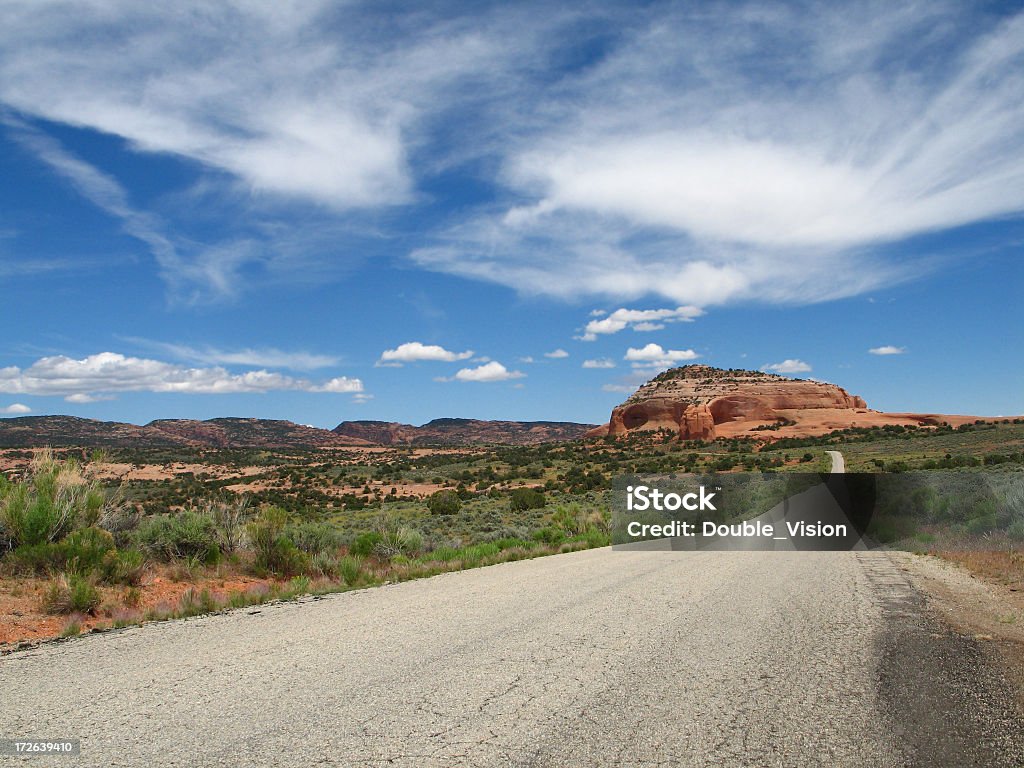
x=549 y=535
x=314 y=538
x=71 y=593
x=86 y=549
x=122 y=567
x=366 y=543
x=444 y=502
x=350 y=569
x=83 y=551
x=187 y=534
x=522 y=499
x=275 y=551
x=51 y=502
x=402 y=540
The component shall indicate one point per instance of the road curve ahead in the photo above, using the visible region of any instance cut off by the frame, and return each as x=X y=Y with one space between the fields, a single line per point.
x=592 y=658
x=838 y=462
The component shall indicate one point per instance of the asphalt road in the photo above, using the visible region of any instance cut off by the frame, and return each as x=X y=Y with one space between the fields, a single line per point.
x=592 y=658
x=838 y=462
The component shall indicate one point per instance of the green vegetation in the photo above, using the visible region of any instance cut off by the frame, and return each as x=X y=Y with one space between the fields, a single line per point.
x=325 y=521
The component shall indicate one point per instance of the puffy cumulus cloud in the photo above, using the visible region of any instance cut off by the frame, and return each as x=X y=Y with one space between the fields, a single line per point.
x=653 y=356
x=16 y=409
x=556 y=354
x=339 y=384
x=603 y=362
x=413 y=351
x=788 y=366
x=887 y=349
x=492 y=371
x=109 y=372
x=638 y=319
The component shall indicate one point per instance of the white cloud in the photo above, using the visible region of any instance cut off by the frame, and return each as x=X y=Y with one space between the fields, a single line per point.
x=888 y=349
x=628 y=388
x=639 y=320
x=528 y=360
x=603 y=362
x=556 y=354
x=492 y=371
x=266 y=357
x=413 y=351
x=653 y=354
x=109 y=372
x=707 y=158
x=83 y=397
x=339 y=384
x=788 y=366
x=760 y=155
x=361 y=397
x=16 y=408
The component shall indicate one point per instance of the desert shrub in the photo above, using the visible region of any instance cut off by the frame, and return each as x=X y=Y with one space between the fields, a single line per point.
x=86 y=548
x=187 y=534
x=350 y=569
x=82 y=551
x=444 y=554
x=314 y=538
x=982 y=524
x=71 y=593
x=229 y=521
x=549 y=535
x=122 y=567
x=366 y=543
x=522 y=499
x=193 y=603
x=52 y=501
x=594 y=537
x=324 y=564
x=445 y=502
x=1016 y=530
x=275 y=551
x=400 y=540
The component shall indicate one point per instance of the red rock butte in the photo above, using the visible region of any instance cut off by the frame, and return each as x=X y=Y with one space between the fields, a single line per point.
x=699 y=402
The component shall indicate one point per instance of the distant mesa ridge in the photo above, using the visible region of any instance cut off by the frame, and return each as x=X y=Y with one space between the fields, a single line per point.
x=463 y=432
x=700 y=402
x=693 y=402
x=67 y=431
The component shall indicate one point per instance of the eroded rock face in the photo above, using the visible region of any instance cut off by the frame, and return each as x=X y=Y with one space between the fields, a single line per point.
x=693 y=399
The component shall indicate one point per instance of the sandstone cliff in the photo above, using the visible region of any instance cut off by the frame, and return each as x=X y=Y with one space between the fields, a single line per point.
x=699 y=402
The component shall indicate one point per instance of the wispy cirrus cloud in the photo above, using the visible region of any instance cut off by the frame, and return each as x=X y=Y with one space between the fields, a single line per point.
x=265 y=357
x=887 y=349
x=765 y=154
x=89 y=378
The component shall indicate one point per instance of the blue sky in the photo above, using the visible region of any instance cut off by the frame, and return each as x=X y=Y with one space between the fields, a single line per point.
x=329 y=211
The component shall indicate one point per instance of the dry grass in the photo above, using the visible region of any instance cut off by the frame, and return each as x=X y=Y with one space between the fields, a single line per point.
x=1002 y=567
